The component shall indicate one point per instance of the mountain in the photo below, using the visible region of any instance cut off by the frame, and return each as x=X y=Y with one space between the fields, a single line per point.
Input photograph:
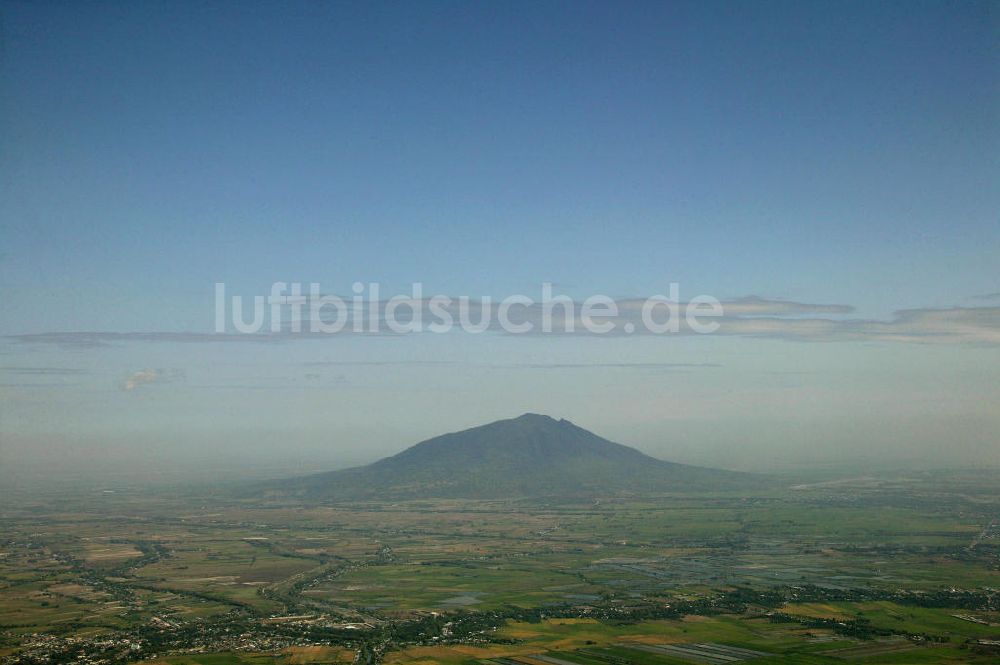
x=529 y=456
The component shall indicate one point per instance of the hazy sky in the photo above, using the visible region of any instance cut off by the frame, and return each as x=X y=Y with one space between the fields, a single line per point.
x=833 y=154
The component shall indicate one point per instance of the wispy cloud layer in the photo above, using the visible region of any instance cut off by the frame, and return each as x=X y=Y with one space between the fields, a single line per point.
x=599 y=365
x=44 y=371
x=750 y=316
x=146 y=376
x=957 y=325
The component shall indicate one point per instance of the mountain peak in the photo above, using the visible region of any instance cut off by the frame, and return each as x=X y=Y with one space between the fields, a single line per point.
x=540 y=418
x=533 y=416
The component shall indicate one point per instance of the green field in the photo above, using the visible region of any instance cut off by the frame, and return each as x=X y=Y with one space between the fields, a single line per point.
x=864 y=571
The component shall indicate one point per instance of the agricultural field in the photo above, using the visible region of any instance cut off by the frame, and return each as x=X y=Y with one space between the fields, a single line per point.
x=903 y=570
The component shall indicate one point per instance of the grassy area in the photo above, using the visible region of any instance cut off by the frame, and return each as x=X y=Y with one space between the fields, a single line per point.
x=123 y=561
x=290 y=656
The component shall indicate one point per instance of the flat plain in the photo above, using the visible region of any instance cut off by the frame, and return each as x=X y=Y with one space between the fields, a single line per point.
x=894 y=569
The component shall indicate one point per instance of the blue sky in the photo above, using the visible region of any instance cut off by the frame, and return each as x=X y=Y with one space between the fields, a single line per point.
x=823 y=153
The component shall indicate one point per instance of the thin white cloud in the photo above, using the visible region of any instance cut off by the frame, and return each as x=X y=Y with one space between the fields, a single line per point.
x=44 y=371
x=147 y=376
x=751 y=317
x=142 y=377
